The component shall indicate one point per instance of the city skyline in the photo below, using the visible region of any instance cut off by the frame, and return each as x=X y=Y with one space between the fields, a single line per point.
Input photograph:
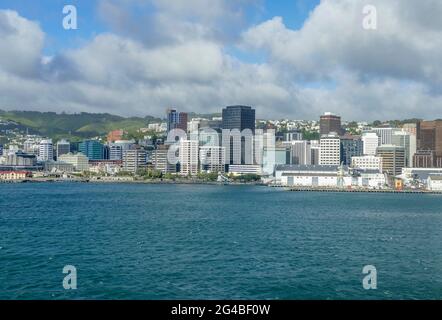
x=134 y=58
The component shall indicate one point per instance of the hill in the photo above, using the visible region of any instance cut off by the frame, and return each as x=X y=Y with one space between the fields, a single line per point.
x=81 y=125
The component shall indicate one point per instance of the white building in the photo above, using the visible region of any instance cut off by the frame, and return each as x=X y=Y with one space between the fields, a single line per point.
x=46 y=150
x=385 y=135
x=371 y=143
x=330 y=151
x=435 y=183
x=79 y=161
x=134 y=160
x=238 y=170
x=212 y=159
x=367 y=163
x=408 y=141
x=188 y=155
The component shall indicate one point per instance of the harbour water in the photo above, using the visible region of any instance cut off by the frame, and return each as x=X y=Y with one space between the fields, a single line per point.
x=131 y=241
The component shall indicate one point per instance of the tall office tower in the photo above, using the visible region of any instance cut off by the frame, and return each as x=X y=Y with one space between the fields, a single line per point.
x=176 y=120
x=134 y=160
x=408 y=141
x=160 y=160
x=300 y=152
x=293 y=135
x=315 y=147
x=370 y=141
x=330 y=150
x=46 y=150
x=240 y=118
x=63 y=147
x=351 y=146
x=385 y=134
x=393 y=159
x=188 y=155
x=429 y=142
x=92 y=149
x=330 y=123
x=212 y=159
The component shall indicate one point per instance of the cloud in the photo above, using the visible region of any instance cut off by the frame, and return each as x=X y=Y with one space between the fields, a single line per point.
x=181 y=58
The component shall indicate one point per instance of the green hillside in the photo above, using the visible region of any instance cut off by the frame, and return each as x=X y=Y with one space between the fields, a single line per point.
x=79 y=125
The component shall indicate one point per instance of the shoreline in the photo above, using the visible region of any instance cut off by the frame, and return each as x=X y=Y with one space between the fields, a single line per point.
x=215 y=183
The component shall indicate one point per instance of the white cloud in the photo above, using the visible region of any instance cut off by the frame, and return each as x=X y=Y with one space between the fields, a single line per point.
x=330 y=64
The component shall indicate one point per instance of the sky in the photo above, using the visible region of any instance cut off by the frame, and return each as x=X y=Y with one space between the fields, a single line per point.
x=287 y=58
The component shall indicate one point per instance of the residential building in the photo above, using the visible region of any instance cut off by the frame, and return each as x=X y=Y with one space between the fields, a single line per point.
x=78 y=160
x=160 y=160
x=188 y=155
x=393 y=159
x=46 y=150
x=330 y=150
x=134 y=159
x=212 y=159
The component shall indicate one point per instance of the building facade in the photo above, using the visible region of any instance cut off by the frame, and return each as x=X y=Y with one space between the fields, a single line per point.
x=330 y=150
x=393 y=159
x=329 y=124
x=188 y=155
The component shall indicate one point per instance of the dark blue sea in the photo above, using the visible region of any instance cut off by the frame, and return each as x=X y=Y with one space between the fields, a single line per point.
x=130 y=241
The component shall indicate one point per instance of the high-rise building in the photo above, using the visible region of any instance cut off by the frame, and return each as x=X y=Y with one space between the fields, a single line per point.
x=385 y=134
x=330 y=150
x=46 y=150
x=116 y=148
x=370 y=141
x=352 y=146
x=176 y=120
x=329 y=124
x=212 y=159
x=239 y=117
x=1 y=149
x=160 y=160
x=134 y=160
x=188 y=155
x=315 y=147
x=393 y=159
x=92 y=149
x=63 y=147
x=429 y=140
x=300 y=152
x=408 y=141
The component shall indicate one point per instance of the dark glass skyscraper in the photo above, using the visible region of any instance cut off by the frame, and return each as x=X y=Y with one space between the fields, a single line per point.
x=92 y=149
x=239 y=117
